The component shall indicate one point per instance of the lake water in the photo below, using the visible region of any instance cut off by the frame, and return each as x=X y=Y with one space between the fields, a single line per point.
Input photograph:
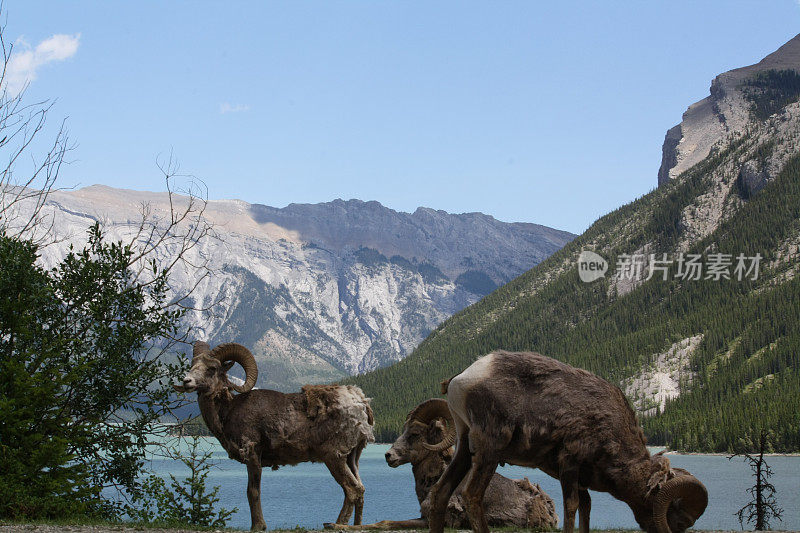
x=306 y=495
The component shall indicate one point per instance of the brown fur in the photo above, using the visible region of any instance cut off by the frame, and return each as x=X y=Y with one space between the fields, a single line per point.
x=318 y=398
x=530 y=410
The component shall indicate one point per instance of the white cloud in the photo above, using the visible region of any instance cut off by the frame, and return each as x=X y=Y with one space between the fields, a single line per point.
x=226 y=107
x=25 y=61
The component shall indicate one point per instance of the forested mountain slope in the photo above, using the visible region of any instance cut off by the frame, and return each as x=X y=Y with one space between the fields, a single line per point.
x=708 y=363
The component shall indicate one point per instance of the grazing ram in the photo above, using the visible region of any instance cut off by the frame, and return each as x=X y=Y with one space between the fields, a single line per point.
x=527 y=409
x=324 y=423
x=509 y=502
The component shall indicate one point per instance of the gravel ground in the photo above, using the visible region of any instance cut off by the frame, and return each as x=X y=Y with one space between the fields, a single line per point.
x=41 y=528
x=127 y=529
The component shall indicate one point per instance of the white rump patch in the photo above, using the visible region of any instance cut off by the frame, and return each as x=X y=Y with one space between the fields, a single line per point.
x=462 y=383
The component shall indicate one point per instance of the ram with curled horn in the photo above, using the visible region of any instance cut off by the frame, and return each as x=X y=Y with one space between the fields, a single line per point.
x=328 y=424
x=530 y=410
x=425 y=444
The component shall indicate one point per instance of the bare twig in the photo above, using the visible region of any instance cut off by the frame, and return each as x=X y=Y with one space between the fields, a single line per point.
x=22 y=199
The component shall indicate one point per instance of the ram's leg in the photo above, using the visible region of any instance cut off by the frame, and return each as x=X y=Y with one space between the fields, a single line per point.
x=569 y=489
x=478 y=480
x=447 y=484
x=354 y=457
x=254 y=495
x=584 y=508
x=353 y=489
x=352 y=464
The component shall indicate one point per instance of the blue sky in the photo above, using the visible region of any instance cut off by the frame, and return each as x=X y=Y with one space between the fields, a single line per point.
x=551 y=113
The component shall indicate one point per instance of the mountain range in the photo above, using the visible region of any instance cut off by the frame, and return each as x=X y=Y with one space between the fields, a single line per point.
x=320 y=291
x=688 y=297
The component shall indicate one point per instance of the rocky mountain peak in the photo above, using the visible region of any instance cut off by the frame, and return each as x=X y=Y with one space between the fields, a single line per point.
x=319 y=291
x=451 y=242
x=727 y=111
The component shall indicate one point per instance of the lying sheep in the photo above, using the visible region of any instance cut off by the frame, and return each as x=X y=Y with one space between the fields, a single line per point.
x=509 y=502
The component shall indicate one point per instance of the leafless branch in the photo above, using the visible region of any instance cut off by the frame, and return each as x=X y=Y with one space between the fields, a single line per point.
x=175 y=240
x=21 y=123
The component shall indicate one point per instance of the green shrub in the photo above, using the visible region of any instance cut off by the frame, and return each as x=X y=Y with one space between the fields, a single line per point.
x=186 y=501
x=80 y=363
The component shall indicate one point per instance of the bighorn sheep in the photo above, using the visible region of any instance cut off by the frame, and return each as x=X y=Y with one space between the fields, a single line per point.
x=329 y=424
x=527 y=409
x=509 y=502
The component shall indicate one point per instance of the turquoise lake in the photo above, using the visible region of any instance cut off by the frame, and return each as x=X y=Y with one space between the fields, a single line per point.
x=307 y=496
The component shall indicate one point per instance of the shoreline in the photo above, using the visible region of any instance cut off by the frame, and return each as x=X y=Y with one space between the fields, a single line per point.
x=672 y=452
x=719 y=454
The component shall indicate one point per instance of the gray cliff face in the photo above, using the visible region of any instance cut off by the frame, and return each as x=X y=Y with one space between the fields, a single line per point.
x=726 y=112
x=453 y=243
x=669 y=153
x=325 y=290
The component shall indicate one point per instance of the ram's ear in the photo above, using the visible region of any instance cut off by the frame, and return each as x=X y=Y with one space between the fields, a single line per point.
x=659 y=473
x=227 y=365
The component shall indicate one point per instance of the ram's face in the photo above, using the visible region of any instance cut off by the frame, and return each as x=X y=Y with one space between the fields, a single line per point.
x=207 y=373
x=408 y=448
x=678 y=518
x=400 y=452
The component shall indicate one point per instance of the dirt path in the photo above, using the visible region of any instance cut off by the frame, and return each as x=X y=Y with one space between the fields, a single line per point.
x=39 y=528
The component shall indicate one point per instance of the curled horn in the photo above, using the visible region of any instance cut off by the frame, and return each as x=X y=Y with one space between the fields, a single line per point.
x=693 y=496
x=236 y=352
x=436 y=408
x=199 y=348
